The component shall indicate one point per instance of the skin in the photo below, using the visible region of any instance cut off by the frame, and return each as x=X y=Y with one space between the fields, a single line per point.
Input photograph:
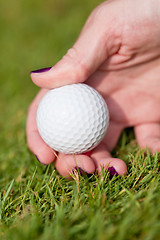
x=117 y=53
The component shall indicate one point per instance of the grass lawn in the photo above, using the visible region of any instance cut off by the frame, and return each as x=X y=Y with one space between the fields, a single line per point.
x=35 y=201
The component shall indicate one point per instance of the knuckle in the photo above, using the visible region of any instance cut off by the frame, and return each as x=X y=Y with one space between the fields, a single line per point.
x=78 y=65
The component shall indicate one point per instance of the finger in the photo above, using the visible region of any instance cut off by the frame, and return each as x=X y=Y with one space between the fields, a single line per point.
x=102 y=159
x=148 y=135
x=98 y=40
x=35 y=143
x=66 y=164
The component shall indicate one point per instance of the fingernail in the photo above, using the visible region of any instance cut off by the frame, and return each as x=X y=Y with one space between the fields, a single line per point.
x=41 y=70
x=81 y=171
x=40 y=161
x=112 y=171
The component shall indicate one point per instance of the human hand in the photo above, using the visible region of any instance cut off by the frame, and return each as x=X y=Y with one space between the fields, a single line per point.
x=117 y=53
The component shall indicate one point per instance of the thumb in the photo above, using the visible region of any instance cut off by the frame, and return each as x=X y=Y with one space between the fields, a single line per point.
x=96 y=42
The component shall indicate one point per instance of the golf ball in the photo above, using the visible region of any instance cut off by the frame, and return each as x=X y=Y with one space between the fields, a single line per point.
x=73 y=118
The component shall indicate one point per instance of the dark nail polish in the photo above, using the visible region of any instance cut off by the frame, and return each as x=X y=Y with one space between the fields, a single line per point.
x=39 y=161
x=112 y=171
x=41 y=70
x=81 y=171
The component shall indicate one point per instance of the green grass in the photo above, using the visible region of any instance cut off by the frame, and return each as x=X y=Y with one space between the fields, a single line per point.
x=35 y=201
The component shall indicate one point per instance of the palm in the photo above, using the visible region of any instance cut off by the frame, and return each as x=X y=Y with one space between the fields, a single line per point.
x=132 y=95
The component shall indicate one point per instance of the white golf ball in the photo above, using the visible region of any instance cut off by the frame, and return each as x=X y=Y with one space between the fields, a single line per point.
x=73 y=118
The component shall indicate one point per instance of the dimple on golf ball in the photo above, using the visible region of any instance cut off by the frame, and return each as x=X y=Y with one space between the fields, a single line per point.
x=72 y=119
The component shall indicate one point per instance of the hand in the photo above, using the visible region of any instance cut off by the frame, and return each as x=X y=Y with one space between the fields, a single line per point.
x=117 y=53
